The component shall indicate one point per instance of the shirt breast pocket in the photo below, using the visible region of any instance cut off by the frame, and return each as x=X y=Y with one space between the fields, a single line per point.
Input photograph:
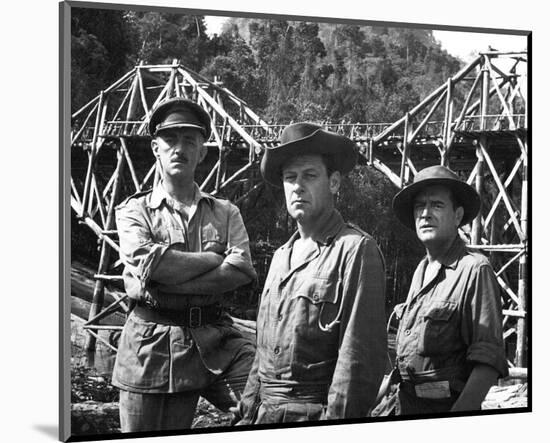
x=317 y=300
x=212 y=239
x=169 y=235
x=439 y=333
x=315 y=311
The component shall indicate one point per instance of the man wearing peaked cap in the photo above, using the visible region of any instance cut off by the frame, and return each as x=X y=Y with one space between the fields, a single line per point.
x=321 y=340
x=178 y=112
x=449 y=343
x=182 y=249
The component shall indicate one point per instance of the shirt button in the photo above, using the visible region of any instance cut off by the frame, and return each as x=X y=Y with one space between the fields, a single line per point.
x=316 y=297
x=276 y=350
x=408 y=332
x=280 y=317
x=278 y=376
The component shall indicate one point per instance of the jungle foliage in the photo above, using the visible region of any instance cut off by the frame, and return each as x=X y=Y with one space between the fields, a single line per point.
x=286 y=71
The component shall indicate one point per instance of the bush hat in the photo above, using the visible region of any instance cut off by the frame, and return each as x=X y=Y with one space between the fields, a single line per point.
x=303 y=139
x=465 y=195
x=178 y=112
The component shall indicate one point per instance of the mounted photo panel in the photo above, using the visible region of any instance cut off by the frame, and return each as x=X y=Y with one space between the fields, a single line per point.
x=226 y=270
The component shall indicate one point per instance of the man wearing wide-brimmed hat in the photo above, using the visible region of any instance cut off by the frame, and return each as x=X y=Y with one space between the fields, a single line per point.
x=449 y=344
x=321 y=341
x=182 y=249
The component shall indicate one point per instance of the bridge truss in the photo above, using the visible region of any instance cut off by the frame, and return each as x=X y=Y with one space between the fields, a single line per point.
x=475 y=123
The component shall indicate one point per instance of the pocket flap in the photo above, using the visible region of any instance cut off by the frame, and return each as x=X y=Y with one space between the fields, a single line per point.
x=318 y=290
x=441 y=311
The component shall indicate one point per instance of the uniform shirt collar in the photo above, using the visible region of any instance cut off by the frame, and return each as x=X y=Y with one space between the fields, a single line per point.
x=454 y=253
x=159 y=195
x=326 y=235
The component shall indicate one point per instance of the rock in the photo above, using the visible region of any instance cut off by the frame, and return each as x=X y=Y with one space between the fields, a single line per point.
x=503 y=397
x=93 y=417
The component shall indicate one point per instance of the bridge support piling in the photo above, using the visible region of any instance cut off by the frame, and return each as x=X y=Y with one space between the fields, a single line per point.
x=105 y=256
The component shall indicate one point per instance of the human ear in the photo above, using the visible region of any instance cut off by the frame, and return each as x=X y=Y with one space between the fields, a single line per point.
x=202 y=155
x=459 y=215
x=334 y=182
x=155 y=147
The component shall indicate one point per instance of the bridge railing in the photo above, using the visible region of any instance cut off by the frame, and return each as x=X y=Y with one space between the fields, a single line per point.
x=493 y=122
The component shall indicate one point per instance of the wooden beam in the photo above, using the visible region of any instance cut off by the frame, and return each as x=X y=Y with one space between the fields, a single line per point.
x=142 y=95
x=499 y=196
x=457 y=77
x=496 y=178
x=91 y=155
x=501 y=98
x=99 y=288
x=129 y=163
x=479 y=169
x=211 y=174
x=520 y=359
x=462 y=114
x=104 y=313
x=254 y=188
x=394 y=178
x=83 y=127
x=148 y=176
x=509 y=262
x=427 y=117
x=115 y=85
x=405 y=151
x=99 y=202
x=230 y=120
x=235 y=175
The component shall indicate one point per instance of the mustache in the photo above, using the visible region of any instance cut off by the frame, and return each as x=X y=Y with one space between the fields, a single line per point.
x=179 y=158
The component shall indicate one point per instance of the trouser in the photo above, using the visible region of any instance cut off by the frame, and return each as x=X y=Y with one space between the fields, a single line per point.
x=289 y=412
x=280 y=403
x=174 y=411
x=408 y=403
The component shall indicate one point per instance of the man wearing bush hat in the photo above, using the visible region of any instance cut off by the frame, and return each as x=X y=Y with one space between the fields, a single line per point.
x=182 y=249
x=321 y=341
x=450 y=347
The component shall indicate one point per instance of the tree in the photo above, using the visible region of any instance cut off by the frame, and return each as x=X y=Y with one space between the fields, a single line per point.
x=236 y=67
x=101 y=47
x=164 y=37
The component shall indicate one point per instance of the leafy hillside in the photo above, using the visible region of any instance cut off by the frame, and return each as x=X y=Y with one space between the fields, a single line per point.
x=286 y=71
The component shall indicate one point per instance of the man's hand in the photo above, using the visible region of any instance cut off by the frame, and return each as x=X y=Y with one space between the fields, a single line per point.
x=235 y=410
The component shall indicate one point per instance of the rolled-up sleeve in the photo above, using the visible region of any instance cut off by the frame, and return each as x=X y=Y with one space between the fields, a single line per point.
x=237 y=253
x=137 y=250
x=482 y=324
x=362 y=354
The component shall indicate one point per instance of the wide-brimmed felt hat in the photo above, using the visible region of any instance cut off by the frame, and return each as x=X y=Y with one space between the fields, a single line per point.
x=305 y=139
x=465 y=195
x=178 y=112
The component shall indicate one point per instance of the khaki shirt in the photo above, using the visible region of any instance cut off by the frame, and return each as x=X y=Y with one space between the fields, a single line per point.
x=451 y=322
x=299 y=356
x=161 y=358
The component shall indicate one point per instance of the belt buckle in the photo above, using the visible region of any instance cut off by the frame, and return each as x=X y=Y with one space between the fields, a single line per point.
x=195 y=317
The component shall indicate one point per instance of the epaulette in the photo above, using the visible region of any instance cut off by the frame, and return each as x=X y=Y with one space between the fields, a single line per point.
x=355 y=227
x=133 y=196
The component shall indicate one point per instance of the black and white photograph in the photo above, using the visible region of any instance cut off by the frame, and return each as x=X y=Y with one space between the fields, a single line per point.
x=292 y=221
x=281 y=221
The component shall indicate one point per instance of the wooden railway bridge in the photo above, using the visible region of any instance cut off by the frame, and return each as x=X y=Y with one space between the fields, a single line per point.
x=476 y=123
